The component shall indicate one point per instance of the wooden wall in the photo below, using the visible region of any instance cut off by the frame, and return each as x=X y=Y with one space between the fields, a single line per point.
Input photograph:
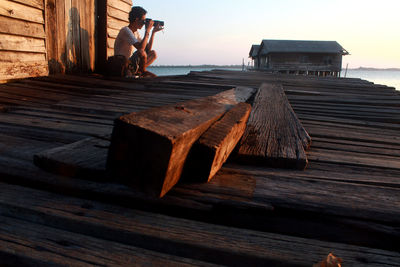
x=303 y=61
x=71 y=35
x=114 y=16
x=58 y=36
x=22 y=39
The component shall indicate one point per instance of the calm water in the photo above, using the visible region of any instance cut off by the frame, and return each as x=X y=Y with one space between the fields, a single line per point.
x=386 y=77
x=163 y=71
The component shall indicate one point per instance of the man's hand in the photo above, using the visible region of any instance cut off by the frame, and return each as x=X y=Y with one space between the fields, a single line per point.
x=149 y=25
x=158 y=28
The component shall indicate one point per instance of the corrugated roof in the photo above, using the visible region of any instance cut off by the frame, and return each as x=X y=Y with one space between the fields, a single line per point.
x=289 y=46
x=254 y=50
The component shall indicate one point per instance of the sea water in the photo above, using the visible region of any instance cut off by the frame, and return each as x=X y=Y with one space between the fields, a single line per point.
x=384 y=77
x=164 y=71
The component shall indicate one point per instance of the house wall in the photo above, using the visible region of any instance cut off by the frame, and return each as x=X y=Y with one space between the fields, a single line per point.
x=115 y=16
x=304 y=61
x=71 y=32
x=38 y=37
x=22 y=39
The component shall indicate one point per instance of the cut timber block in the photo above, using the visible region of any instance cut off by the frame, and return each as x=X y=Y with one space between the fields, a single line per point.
x=149 y=148
x=213 y=148
x=274 y=135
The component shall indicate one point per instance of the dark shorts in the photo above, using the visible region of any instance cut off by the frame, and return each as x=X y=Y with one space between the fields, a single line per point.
x=133 y=66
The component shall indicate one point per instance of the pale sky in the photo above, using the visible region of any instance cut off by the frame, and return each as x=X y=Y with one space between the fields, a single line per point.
x=221 y=32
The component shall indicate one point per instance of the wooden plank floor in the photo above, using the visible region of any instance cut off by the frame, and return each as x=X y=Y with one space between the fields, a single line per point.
x=346 y=202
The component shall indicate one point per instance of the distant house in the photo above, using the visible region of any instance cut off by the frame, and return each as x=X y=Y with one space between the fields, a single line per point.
x=254 y=55
x=300 y=57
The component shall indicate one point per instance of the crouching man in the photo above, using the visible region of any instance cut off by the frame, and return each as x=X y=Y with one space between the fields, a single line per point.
x=128 y=38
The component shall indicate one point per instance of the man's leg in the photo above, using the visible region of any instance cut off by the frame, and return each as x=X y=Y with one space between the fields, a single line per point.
x=145 y=60
x=151 y=57
x=142 y=60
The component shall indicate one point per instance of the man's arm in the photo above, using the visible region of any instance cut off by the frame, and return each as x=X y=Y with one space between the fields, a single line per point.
x=150 y=43
x=142 y=45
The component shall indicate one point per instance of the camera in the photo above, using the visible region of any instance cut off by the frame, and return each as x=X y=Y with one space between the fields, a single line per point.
x=156 y=22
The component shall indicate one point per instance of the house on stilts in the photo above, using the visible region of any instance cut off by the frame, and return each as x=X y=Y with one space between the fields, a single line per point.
x=321 y=58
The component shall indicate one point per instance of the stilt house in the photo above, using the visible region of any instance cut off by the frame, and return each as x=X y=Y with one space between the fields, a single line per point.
x=300 y=57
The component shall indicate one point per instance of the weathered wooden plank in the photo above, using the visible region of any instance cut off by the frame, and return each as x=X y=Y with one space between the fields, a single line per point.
x=30 y=244
x=85 y=158
x=19 y=70
x=213 y=148
x=60 y=115
x=51 y=36
x=112 y=33
x=33 y=3
x=348 y=108
x=57 y=125
x=317 y=118
x=26 y=146
x=116 y=24
x=395 y=119
x=348 y=128
x=349 y=133
x=110 y=52
x=333 y=99
x=354 y=158
x=121 y=5
x=149 y=148
x=23 y=99
x=67 y=42
x=129 y=2
x=303 y=194
x=60 y=60
x=274 y=136
x=127 y=229
x=118 y=14
x=30 y=133
x=11 y=56
x=91 y=25
x=82 y=20
x=18 y=11
x=21 y=43
x=110 y=43
x=20 y=27
x=355 y=146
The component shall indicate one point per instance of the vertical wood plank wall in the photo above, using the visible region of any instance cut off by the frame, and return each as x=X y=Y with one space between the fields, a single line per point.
x=58 y=36
x=115 y=16
x=22 y=39
x=71 y=35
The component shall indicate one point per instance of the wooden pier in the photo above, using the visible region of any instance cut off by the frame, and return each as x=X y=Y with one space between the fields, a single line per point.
x=347 y=202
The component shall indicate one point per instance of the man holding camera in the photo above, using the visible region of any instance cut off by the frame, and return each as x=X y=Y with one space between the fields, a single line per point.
x=129 y=37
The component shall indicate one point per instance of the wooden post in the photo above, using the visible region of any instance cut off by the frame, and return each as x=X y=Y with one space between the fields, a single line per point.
x=101 y=36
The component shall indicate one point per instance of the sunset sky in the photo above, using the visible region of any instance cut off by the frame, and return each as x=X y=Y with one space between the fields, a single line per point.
x=222 y=31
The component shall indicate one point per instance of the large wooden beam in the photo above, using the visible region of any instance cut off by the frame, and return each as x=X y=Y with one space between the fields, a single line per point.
x=213 y=148
x=149 y=148
x=274 y=135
